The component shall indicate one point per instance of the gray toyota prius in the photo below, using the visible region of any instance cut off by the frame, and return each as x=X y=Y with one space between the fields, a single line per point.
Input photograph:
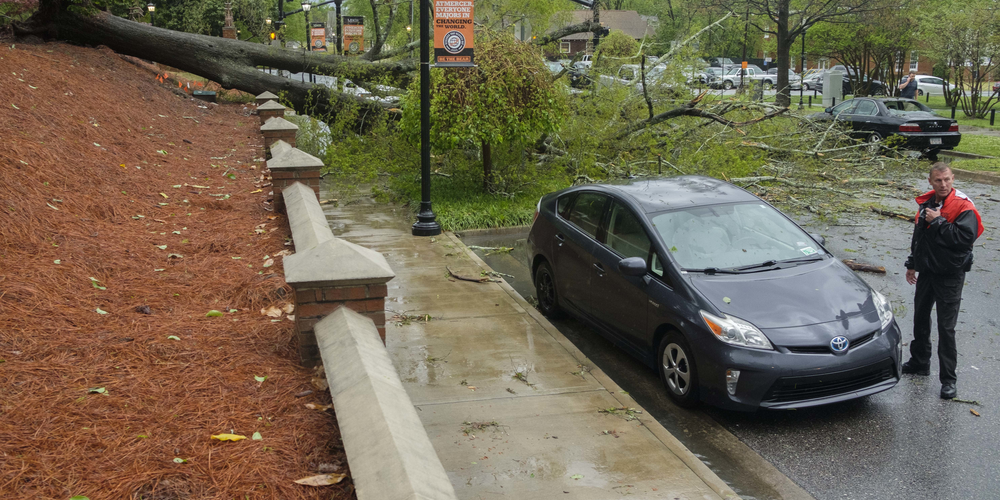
x=727 y=297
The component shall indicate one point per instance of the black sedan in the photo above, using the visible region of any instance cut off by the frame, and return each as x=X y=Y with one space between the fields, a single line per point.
x=730 y=300
x=874 y=120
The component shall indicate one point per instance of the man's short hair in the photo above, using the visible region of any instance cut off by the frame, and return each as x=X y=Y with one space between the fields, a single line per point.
x=938 y=167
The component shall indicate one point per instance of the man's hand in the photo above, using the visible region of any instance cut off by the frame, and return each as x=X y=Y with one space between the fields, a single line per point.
x=930 y=214
x=911 y=276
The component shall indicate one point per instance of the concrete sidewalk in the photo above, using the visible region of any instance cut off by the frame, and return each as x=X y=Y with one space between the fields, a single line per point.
x=512 y=408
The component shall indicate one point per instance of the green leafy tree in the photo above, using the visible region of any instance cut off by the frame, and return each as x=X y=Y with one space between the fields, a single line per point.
x=509 y=97
x=615 y=49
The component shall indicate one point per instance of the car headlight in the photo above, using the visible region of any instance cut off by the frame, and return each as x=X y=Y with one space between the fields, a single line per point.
x=883 y=307
x=736 y=331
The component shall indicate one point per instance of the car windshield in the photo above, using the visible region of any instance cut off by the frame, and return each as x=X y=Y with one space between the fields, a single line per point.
x=900 y=107
x=732 y=236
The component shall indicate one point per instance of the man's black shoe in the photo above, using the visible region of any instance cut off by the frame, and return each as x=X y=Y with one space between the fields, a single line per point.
x=948 y=390
x=910 y=368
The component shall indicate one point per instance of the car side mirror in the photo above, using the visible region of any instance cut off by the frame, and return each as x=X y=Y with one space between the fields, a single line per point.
x=819 y=238
x=828 y=110
x=632 y=266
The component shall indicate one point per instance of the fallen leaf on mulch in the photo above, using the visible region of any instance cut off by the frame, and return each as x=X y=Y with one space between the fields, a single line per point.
x=321 y=480
x=314 y=406
x=228 y=437
x=288 y=308
x=271 y=311
x=213 y=314
x=268 y=263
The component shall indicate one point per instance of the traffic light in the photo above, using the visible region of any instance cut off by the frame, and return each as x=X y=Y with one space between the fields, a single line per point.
x=273 y=36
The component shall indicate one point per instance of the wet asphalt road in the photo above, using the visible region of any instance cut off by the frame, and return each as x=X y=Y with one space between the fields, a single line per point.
x=902 y=443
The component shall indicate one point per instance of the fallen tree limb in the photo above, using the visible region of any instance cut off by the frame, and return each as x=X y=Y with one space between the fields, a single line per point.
x=892 y=214
x=483 y=279
x=867 y=268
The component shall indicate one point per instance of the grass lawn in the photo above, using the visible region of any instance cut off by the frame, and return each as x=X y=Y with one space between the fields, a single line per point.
x=980 y=145
x=978 y=165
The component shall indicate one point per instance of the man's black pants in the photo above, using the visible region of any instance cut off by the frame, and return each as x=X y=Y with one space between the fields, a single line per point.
x=946 y=292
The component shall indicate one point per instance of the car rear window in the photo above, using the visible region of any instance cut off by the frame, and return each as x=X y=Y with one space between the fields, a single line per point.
x=903 y=107
x=586 y=212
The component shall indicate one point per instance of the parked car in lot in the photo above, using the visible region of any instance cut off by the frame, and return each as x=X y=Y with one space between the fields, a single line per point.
x=868 y=87
x=874 y=120
x=730 y=300
x=735 y=76
x=927 y=85
x=712 y=74
x=794 y=82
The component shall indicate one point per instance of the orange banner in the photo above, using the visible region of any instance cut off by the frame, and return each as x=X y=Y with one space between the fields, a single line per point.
x=317 y=37
x=354 y=35
x=453 y=37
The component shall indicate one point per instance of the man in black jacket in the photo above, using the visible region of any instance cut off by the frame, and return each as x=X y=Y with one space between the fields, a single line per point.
x=946 y=227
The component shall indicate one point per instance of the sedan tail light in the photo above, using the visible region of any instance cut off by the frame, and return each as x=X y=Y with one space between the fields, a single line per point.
x=909 y=127
x=953 y=127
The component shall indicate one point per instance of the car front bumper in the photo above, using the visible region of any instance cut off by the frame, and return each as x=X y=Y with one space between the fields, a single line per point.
x=784 y=380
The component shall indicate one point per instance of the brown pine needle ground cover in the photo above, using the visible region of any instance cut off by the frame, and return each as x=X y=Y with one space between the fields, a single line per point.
x=126 y=214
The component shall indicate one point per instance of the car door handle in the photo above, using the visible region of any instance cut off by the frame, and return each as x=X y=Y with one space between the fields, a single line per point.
x=599 y=267
x=561 y=239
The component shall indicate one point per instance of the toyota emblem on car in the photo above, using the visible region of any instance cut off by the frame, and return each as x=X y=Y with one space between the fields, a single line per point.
x=839 y=345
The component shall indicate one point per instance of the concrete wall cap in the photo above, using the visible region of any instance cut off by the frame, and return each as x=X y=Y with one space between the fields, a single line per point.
x=269 y=105
x=390 y=454
x=337 y=262
x=305 y=217
x=293 y=159
x=267 y=95
x=279 y=148
x=278 y=123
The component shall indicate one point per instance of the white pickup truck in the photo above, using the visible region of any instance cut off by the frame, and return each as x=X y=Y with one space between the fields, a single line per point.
x=732 y=78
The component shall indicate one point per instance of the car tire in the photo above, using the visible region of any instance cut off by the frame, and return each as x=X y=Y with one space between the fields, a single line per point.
x=768 y=85
x=920 y=93
x=727 y=85
x=678 y=370
x=545 y=291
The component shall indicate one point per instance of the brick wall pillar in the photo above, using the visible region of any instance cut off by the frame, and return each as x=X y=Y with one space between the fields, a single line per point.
x=270 y=109
x=293 y=165
x=279 y=129
x=313 y=304
x=264 y=97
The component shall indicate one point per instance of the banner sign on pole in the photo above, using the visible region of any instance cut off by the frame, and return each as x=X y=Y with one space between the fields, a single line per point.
x=317 y=37
x=354 y=34
x=453 y=38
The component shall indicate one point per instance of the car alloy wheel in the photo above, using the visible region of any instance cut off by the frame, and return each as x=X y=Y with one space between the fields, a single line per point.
x=727 y=85
x=545 y=291
x=768 y=85
x=677 y=370
x=920 y=92
x=874 y=143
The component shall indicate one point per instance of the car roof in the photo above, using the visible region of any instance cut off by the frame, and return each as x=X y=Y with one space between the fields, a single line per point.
x=668 y=193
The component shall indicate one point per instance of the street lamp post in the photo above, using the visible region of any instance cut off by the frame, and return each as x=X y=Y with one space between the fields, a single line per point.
x=426 y=224
x=152 y=13
x=305 y=8
x=802 y=68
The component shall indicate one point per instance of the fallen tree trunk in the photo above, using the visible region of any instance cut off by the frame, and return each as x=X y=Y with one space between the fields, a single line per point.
x=231 y=63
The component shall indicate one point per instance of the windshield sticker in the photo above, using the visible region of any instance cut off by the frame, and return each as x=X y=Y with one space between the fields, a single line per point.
x=807 y=250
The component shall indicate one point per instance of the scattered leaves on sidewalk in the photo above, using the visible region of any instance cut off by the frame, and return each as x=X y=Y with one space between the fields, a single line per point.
x=623 y=412
x=321 y=480
x=228 y=437
x=471 y=428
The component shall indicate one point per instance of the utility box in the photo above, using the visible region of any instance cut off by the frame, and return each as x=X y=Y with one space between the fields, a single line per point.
x=204 y=95
x=833 y=88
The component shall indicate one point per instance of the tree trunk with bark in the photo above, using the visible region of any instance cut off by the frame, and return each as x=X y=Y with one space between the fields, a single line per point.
x=231 y=63
x=785 y=40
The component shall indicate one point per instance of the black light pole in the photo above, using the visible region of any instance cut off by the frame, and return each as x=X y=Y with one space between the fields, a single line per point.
x=426 y=224
x=152 y=13
x=802 y=69
x=340 y=43
x=305 y=8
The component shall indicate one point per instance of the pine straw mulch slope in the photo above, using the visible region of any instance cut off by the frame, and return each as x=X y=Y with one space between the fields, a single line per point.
x=91 y=148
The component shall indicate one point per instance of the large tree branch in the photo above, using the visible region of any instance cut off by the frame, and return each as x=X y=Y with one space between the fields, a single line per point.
x=583 y=27
x=690 y=109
